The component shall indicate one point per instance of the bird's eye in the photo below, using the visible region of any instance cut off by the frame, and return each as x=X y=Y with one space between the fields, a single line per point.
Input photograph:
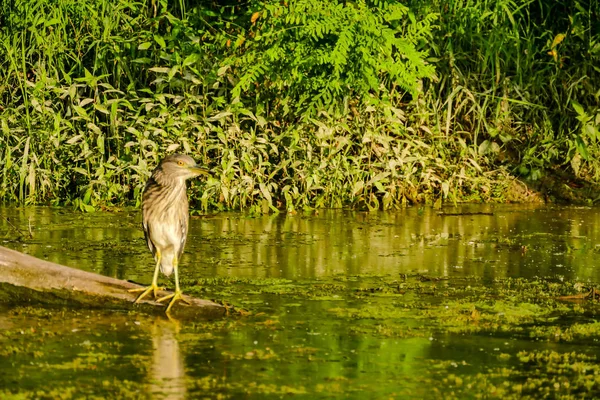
x=180 y=163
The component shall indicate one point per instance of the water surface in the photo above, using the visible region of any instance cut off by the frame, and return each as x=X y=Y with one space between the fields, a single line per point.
x=336 y=304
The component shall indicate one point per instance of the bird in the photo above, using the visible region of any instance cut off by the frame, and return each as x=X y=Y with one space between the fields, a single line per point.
x=165 y=218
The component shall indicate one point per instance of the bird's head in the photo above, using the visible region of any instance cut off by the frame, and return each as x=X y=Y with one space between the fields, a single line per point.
x=181 y=166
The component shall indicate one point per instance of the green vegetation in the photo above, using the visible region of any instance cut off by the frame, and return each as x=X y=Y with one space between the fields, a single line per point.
x=308 y=103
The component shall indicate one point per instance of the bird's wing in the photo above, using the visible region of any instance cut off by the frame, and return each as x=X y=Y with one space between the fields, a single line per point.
x=184 y=228
x=146 y=215
x=146 y=228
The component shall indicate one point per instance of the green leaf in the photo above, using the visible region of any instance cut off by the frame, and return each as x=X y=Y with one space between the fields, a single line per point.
x=52 y=21
x=581 y=148
x=80 y=111
x=174 y=69
x=161 y=42
x=484 y=148
x=100 y=144
x=145 y=46
x=101 y=108
x=85 y=102
x=191 y=59
x=221 y=71
x=445 y=188
x=591 y=131
x=358 y=187
x=577 y=107
x=265 y=191
x=74 y=139
x=87 y=196
x=81 y=171
x=142 y=60
x=219 y=116
x=160 y=70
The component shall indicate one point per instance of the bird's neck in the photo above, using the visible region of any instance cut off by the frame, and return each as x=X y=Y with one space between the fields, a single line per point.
x=167 y=182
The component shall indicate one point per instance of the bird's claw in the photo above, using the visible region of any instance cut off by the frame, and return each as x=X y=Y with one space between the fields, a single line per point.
x=174 y=297
x=145 y=291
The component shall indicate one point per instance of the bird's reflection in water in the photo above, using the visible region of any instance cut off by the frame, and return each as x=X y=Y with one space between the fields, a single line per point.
x=167 y=373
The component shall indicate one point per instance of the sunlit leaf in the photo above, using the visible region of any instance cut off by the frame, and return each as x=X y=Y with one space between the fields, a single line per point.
x=191 y=59
x=80 y=111
x=74 y=139
x=94 y=128
x=576 y=163
x=161 y=42
x=142 y=60
x=172 y=147
x=591 y=131
x=484 y=148
x=81 y=171
x=100 y=144
x=174 y=70
x=52 y=21
x=221 y=71
x=445 y=188
x=220 y=116
x=85 y=102
x=265 y=192
x=557 y=40
x=102 y=109
x=577 y=107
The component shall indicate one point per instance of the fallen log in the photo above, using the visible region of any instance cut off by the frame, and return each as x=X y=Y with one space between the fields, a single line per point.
x=592 y=294
x=28 y=280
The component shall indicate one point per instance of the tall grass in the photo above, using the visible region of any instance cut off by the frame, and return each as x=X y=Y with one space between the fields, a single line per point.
x=513 y=77
x=94 y=92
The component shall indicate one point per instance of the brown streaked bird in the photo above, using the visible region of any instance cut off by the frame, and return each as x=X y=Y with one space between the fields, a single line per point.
x=165 y=219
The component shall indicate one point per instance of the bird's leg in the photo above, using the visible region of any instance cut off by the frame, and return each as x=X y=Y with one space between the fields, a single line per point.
x=153 y=287
x=177 y=295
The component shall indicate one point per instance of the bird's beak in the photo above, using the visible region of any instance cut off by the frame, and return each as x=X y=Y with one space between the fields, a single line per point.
x=196 y=169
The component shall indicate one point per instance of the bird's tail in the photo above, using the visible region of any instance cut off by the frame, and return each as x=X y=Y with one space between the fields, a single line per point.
x=166 y=263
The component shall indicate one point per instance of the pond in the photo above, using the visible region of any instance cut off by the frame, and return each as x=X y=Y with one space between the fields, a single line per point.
x=466 y=302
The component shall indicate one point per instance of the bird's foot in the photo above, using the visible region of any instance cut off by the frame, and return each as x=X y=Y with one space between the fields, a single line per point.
x=174 y=297
x=145 y=291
